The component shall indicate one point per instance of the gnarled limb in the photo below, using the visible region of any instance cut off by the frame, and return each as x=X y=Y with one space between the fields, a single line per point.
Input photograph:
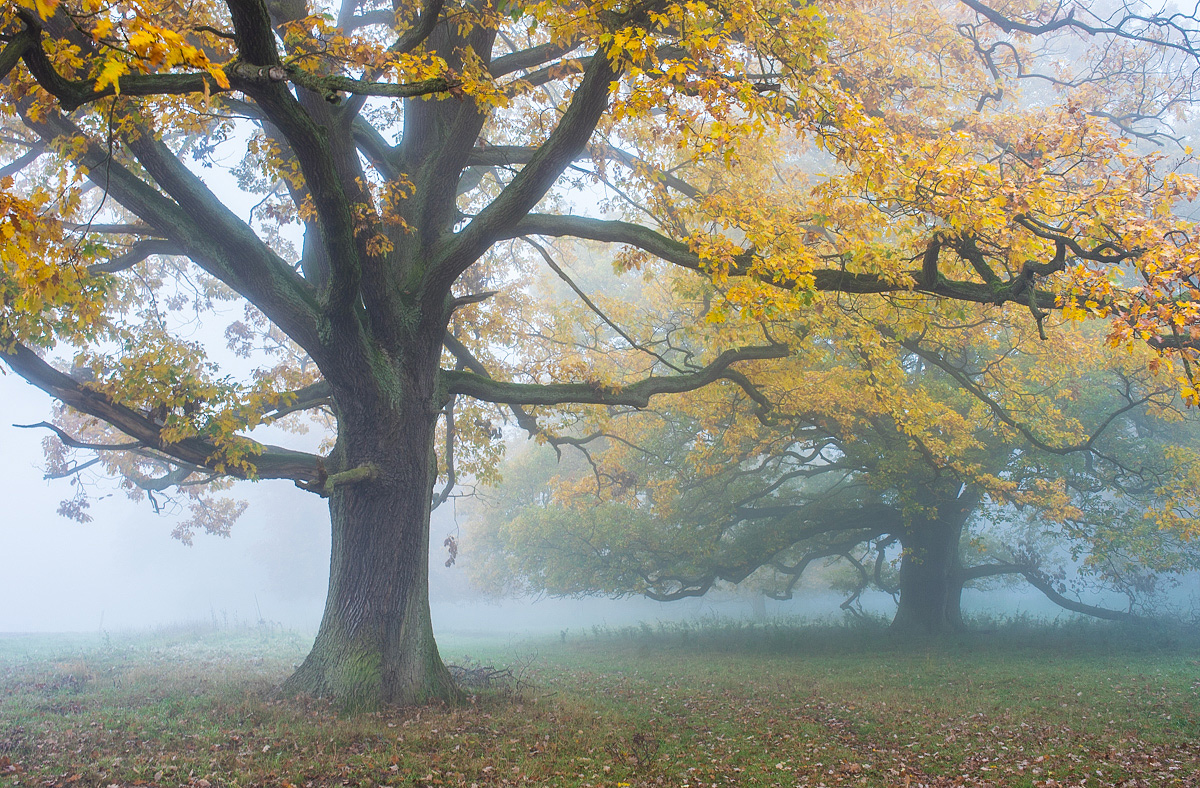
x=991 y=291
x=533 y=181
x=72 y=94
x=1044 y=584
x=269 y=462
x=1122 y=27
x=635 y=394
x=209 y=233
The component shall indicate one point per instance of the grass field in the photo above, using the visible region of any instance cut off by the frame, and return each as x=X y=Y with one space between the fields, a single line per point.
x=714 y=705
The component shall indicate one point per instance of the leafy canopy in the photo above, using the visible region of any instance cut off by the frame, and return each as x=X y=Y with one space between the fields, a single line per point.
x=395 y=153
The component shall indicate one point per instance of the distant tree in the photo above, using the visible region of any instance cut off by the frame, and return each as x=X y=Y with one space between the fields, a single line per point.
x=921 y=494
x=355 y=177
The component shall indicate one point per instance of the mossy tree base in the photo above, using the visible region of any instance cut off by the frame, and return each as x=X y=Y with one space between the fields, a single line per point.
x=363 y=675
x=375 y=646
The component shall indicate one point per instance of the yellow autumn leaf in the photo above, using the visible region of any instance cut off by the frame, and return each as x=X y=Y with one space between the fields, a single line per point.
x=218 y=74
x=110 y=75
x=45 y=8
x=103 y=28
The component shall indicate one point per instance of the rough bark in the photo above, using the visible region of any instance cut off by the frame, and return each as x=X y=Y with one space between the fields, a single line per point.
x=930 y=587
x=931 y=575
x=375 y=645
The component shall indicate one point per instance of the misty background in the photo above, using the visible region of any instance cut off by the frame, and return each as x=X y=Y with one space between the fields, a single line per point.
x=124 y=570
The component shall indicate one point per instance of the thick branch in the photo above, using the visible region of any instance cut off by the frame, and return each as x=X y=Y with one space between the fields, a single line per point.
x=15 y=49
x=270 y=462
x=23 y=161
x=319 y=151
x=824 y=280
x=1043 y=584
x=215 y=234
x=324 y=484
x=762 y=403
x=203 y=228
x=527 y=58
x=1046 y=586
x=529 y=186
x=635 y=395
x=241 y=76
x=416 y=35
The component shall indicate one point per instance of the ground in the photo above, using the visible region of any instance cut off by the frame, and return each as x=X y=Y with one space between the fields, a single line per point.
x=719 y=704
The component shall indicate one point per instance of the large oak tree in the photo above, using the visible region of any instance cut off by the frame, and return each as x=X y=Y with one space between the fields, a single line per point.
x=396 y=152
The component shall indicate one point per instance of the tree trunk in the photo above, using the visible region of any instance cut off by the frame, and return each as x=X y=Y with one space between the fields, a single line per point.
x=930 y=578
x=375 y=644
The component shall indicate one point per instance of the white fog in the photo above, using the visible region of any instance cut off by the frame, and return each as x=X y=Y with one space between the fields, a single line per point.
x=123 y=570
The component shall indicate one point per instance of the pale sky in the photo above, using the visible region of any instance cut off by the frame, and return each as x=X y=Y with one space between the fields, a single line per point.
x=124 y=569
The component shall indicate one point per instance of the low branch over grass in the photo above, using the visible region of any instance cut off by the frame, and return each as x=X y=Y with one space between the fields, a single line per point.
x=268 y=462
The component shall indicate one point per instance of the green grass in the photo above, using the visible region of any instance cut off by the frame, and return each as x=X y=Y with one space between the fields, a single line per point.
x=701 y=705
